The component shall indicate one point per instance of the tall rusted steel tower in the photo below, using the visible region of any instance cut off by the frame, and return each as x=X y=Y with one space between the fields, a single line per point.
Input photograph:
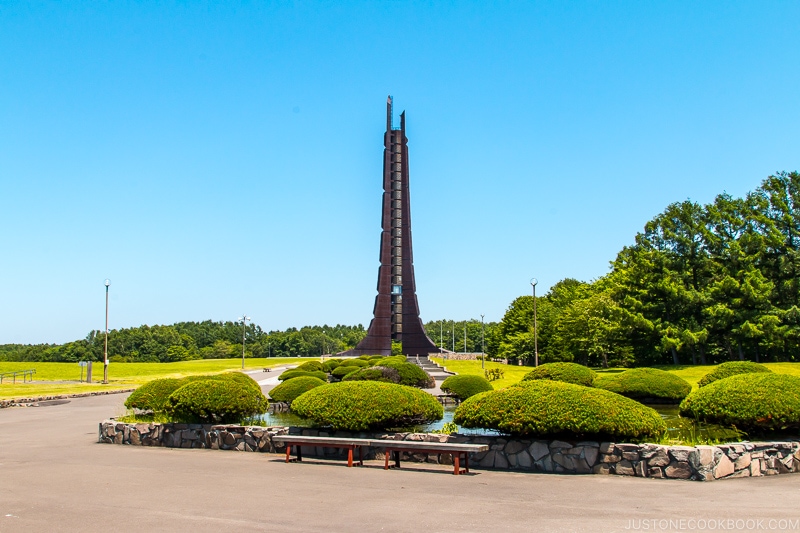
x=396 y=312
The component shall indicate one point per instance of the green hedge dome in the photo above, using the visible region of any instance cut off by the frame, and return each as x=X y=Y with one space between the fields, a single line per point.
x=566 y=372
x=292 y=388
x=754 y=401
x=464 y=386
x=343 y=369
x=646 y=383
x=154 y=395
x=363 y=405
x=222 y=399
x=731 y=368
x=410 y=374
x=310 y=366
x=374 y=373
x=544 y=408
x=294 y=373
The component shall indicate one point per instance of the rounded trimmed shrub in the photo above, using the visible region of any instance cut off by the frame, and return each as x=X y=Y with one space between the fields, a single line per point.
x=328 y=366
x=374 y=373
x=553 y=408
x=356 y=362
x=365 y=405
x=310 y=366
x=294 y=373
x=154 y=395
x=243 y=380
x=731 y=368
x=411 y=374
x=760 y=401
x=343 y=369
x=566 y=372
x=646 y=384
x=292 y=388
x=216 y=401
x=464 y=386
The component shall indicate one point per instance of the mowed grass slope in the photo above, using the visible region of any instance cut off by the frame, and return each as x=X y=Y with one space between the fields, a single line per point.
x=120 y=375
x=514 y=373
x=511 y=373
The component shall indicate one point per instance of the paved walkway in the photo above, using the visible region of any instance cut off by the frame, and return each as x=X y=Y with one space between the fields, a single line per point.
x=54 y=476
x=268 y=380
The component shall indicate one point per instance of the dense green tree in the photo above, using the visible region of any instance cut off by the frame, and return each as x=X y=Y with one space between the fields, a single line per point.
x=700 y=284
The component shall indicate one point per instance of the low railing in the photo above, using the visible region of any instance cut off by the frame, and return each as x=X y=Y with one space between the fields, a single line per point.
x=27 y=375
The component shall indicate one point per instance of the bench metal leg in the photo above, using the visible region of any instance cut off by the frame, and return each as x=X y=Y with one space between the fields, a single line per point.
x=457 y=463
x=390 y=452
x=289 y=452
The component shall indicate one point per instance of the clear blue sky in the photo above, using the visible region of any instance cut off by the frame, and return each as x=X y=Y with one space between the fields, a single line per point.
x=219 y=158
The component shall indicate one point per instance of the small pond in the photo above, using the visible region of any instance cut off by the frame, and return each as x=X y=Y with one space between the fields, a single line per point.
x=291 y=419
x=693 y=431
x=679 y=428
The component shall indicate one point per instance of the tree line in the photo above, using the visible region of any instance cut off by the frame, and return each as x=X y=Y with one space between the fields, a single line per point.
x=701 y=284
x=185 y=341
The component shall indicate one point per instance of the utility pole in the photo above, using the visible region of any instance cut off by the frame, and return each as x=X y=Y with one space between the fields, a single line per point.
x=534 y=282
x=483 y=355
x=105 y=347
x=244 y=318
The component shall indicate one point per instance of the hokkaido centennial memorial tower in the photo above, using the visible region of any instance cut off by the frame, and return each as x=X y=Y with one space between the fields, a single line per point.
x=396 y=312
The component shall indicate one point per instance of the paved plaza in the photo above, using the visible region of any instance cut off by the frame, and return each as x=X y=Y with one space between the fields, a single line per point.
x=54 y=476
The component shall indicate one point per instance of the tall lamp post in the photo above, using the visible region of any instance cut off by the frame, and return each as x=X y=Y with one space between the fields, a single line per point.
x=534 y=282
x=107 y=282
x=244 y=318
x=483 y=355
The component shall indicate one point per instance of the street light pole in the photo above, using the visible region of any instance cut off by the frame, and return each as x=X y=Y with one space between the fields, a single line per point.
x=441 y=336
x=244 y=318
x=483 y=355
x=534 y=282
x=105 y=347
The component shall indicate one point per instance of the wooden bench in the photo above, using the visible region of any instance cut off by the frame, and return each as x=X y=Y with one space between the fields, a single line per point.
x=297 y=441
x=460 y=452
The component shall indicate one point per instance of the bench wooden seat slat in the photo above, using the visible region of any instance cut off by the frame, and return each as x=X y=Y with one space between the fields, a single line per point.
x=321 y=441
x=458 y=450
x=437 y=446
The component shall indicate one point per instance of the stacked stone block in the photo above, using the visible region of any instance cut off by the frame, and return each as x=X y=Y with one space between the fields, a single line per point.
x=700 y=463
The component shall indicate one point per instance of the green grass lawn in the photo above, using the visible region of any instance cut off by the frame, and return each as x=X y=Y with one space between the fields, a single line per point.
x=511 y=373
x=120 y=375
x=514 y=373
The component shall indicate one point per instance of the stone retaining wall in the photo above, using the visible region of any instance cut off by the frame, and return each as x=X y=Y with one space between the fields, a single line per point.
x=700 y=463
x=31 y=402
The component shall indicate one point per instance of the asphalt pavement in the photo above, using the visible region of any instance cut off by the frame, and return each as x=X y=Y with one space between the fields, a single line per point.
x=55 y=476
